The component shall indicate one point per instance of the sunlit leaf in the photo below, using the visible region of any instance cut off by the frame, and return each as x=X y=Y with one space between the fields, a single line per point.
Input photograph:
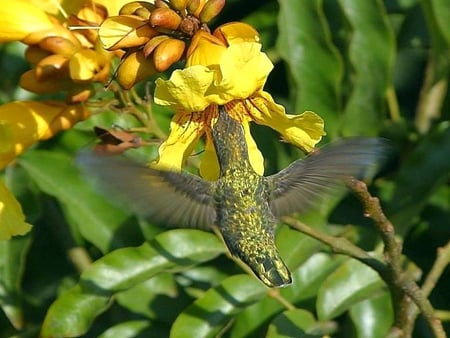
x=304 y=43
x=210 y=313
x=371 y=53
x=292 y=323
x=347 y=285
x=373 y=317
x=74 y=311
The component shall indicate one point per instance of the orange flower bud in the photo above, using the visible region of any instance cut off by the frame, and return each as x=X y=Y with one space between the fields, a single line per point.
x=139 y=8
x=179 y=5
x=52 y=67
x=211 y=9
x=58 y=45
x=153 y=43
x=165 y=18
x=167 y=53
x=134 y=68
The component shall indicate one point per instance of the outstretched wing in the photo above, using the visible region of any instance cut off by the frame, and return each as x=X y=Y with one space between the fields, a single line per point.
x=300 y=185
x=166 y=197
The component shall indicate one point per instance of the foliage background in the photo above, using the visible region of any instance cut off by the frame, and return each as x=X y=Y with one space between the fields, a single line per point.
x=368 y=68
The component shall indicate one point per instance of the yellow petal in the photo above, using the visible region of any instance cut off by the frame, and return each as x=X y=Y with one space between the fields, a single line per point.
x=20 y=18
x=86 y=64
x=209 y=166
x=113 y=6
x=236 y=32
x=242 y=71
x=304 y=130
x=254 y=155
x=23 y=123
x=186 y=89
x=205 y=49
x=185 y=130
x=12 y=219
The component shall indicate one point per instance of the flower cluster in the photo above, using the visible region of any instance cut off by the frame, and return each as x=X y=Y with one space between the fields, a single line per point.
x=225 y=66
x=154 y=35
x=62 y=59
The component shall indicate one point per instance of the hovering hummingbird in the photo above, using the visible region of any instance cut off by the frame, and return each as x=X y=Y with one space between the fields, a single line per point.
x=243 y=205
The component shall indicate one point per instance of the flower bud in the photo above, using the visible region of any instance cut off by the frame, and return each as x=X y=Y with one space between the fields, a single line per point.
x=167 y=53
x=211 y=9
x=125 y=31
x=58 y=45
x=179 y=5
x=131 y=8
x=134 y=68
x=194 y=7
x=54 y=66
x=165 y=18
x=153 y=43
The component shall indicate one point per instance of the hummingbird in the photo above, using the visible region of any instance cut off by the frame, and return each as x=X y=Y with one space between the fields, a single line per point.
x=243 y=206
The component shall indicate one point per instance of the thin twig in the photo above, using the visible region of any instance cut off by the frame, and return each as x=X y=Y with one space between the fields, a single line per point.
x=401 y=284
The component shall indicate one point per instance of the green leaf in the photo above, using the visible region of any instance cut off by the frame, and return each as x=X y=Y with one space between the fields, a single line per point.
x=56 y=174
x=306 y=281
x=372 y=318
x=437 y=13
x=12 y=265
x=308 y=278
x=160 y=288
x=350 y=283
x=292 y=323
x=74 y=311
x=424 y=169
x=371 y=53
x=304 y=43
x=130 y=329
x=210 y=313
x=171 y=250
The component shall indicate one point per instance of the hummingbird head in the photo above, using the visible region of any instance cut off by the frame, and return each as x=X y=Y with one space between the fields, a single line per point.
x=264 y=260
x=269 y=268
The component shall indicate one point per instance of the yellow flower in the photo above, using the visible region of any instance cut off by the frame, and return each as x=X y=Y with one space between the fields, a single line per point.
x=12 y=219
x=19 y=18
x=24 y=123
x=227 y=68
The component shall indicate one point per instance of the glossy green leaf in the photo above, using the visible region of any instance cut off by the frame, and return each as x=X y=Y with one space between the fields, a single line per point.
x=437 y=13
x=12 y=265
x=295 y=247
x=424 y=169
x=208 y=315
x=171 y=250
x=308 y=278
x=348 y=284
x=130 y=329
x=304 y=43
x=292 y=323
x=74 y=311
x=160 y=288
x=55 y=173
x=373 y=317
x=371 y=53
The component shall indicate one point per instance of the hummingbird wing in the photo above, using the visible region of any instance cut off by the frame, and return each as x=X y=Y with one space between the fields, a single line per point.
x=302 y=183
x=169 y=198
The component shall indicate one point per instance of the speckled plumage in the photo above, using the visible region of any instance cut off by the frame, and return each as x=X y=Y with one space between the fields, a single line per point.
x=243 y=205
x=244 y=217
